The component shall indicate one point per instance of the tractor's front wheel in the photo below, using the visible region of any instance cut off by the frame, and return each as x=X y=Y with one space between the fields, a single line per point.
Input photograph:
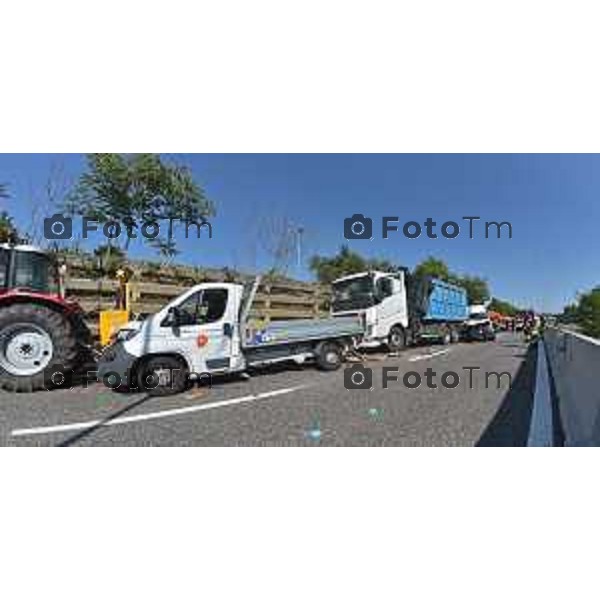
x=33 y=338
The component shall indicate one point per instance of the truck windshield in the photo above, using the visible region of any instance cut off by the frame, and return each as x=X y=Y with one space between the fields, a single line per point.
x=353 y=294
x=4 y=258
x=33 y=270
x=478 y=315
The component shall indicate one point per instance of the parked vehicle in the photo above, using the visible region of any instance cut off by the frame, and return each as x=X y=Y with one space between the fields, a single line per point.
x=39 y=328
x=399 y=309
x=205 y=331
x=499 y=321
x=479 y=326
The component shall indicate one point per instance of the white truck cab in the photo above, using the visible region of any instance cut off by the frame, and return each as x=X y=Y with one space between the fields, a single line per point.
x=196 y=333
x=477 y=312
x=381 y=300
x=479 y=326
x=202 y=325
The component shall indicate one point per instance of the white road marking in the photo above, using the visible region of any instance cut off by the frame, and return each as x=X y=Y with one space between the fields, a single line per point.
x=154 y=415
x=426 y=356
x=541 y=428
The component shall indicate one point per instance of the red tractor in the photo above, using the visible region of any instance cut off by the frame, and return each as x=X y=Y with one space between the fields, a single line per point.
x=39 y=328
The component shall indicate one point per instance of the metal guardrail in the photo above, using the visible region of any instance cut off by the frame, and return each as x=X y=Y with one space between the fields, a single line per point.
x=574 y=363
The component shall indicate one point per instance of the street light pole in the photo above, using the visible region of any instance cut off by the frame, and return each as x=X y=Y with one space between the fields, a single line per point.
x=299 y=232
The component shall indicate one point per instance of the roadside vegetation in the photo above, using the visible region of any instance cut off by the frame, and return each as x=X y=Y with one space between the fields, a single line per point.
x=585 y=313
x=8 y=229
x=505 y=308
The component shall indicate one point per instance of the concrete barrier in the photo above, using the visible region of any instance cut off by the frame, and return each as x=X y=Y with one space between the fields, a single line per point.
x=575 y=365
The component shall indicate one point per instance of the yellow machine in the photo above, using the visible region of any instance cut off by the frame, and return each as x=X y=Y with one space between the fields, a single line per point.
x=112 y=320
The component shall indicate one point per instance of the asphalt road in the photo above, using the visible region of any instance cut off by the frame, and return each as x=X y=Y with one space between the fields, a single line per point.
x=300 y=406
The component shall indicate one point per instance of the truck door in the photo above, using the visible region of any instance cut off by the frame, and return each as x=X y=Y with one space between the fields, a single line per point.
x=207 y=328
x=391 y=309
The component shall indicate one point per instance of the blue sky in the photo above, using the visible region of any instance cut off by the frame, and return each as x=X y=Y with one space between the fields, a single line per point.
x=552 y=201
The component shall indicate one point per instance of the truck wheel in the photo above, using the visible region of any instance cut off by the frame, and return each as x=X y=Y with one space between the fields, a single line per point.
x=162 y=376
x=396 y=339
x=446 y=338
x=454 y=337
x=329 y=356
x=32 y=338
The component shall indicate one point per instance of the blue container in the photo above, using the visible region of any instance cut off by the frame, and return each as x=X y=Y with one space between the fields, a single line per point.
x=446 y=302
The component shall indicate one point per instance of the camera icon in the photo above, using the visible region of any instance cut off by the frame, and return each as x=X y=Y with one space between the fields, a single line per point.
x=358 y=377
x=358 y=227
x=58 y=377
x=58 y=227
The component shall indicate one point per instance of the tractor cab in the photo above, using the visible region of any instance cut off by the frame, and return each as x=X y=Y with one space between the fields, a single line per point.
x=27 y=267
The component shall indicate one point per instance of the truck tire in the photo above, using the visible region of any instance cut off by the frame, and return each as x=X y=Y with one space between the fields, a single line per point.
x=34 y=337
x=454 y=336
x=446 y=337
x=162 y=376
x=396 y=339
x=329 y=356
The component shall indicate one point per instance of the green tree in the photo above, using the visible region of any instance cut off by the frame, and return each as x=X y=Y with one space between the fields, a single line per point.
x=588 y=313
x=346 y=262
x=8 y=229
x=136 y=188
x=432 y=267
x=377 y=264
x=570 y=314
x=477 y=288
x=503 y=307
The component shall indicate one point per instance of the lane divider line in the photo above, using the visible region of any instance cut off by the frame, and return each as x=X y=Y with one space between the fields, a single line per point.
x=426 y=356
x=541 y=429
x=154 y=415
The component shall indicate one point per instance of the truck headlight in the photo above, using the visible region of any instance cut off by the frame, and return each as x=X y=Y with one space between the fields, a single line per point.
x=124 y=335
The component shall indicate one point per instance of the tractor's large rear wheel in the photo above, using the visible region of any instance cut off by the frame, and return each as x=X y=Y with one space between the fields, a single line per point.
x=33 y=338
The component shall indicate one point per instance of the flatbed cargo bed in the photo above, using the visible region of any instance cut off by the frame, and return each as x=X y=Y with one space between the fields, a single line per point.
x=277 y=333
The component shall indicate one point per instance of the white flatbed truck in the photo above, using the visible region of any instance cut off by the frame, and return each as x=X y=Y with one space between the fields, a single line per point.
x=205 y=332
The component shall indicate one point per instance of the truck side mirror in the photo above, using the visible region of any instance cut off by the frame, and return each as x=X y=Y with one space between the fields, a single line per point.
x=228 y=329
x=173 y=316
